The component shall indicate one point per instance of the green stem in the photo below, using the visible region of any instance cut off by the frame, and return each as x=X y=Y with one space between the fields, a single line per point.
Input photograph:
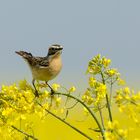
x=62 y=120
x=92 y=114
x=101 y=115
x=111 y=87
x=24 y=133
x=107 y=100
x=109 y=109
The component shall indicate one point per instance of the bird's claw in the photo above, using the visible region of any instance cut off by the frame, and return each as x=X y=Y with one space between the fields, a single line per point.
x=36 y=93
x=52 y=92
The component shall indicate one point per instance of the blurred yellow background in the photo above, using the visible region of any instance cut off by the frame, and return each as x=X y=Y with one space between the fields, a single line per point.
x=53 y=129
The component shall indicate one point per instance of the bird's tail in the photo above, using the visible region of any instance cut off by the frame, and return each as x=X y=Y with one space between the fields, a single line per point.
x=24 y=54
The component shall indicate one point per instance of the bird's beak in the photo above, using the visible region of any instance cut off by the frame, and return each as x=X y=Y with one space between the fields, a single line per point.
x=19 y=53
x=61 y=48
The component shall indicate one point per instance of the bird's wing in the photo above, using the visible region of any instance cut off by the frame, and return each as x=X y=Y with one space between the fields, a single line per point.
x=41 y=61
x=34 y=61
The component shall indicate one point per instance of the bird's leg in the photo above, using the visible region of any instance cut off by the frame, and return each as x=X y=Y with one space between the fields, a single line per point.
x=36 y=92
x=52 y=91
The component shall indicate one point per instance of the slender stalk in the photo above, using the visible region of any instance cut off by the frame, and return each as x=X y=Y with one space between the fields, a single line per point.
x=62 y=120
x=107 y=100
x=92 y=114
x=24 y=133
x=101 y=115
x=109 y=109
x=111 y=87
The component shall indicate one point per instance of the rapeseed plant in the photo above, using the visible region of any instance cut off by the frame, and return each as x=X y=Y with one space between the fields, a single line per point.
x=17 y=104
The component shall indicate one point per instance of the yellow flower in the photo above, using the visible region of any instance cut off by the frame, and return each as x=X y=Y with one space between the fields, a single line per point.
x=122 y=133
x=62 y=110
x=55 y=87
x=120 y=81
x=98 y=56
x=126 y=90
x=41 y=114
x=24 y=85
x=122 y=108
x=92 y=81
x=106 y=62
x=111 y=72
x=7 y=111
x=136 y=96
x=46 y=106
x=118 y=98
x=87 y=98
x=46 y=93
x=109 y=136
x=96 y=69
x=72 y=89
x=101 y=89
x=127 y=97
x=58 y=101
x=112 y=125
x=22 y=117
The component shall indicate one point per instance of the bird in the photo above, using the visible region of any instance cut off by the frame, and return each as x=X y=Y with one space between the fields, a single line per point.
x=44 y=68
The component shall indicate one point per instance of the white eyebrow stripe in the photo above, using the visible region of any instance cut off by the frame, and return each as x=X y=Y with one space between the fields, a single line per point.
x=56 y=47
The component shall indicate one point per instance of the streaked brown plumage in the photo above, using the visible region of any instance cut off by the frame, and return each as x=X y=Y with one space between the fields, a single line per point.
x=44 y=68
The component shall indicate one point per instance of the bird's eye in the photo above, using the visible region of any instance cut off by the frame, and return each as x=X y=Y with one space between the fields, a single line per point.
x=51 y=49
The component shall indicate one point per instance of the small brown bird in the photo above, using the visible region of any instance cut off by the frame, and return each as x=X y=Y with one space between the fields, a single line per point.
x=44 y=68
